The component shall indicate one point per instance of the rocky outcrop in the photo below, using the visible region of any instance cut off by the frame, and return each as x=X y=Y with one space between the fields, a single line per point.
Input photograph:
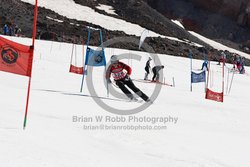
x=216 y=19
x=239 y=10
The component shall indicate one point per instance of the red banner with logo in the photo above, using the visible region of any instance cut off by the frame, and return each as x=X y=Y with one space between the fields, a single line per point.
x=214 y=96
x=76 y=70
x=15 y=58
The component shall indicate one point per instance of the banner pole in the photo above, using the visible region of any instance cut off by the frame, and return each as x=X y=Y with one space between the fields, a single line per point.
x=85 y=63
x=205 y=82
x=71 y=60
x=31 y=62
x=231 y=83
x=75 y=51
x=191 y=86
x=227 y=81
x=223 y=71
x=101 y=40
x=208 y=73
x=83 y=54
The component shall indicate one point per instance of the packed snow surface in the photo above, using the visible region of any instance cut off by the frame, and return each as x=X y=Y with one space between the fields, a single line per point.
x=196 y=132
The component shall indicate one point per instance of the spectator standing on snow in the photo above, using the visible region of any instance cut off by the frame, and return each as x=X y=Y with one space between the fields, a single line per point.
x=234 y=60
x=5 y=30
x=204 y=65
x=17 y=31
x=223 y=58
x=242 y=64
x=147 y=68
x=238 y=63
x=10 y=31
x=155 y=71
x=243 y=59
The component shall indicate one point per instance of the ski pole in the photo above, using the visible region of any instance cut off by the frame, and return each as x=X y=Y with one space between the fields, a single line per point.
x=227 y=81
x=231 y=83
x=173 y=82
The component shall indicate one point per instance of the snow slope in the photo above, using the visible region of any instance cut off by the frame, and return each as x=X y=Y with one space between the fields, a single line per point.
x=108 y=9
x=207 y=133
x=213 y=43
x=218 y=45
x=87 y=14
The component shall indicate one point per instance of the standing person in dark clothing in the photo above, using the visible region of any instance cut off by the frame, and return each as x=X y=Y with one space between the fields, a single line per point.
x=204 y=65
x=235 y=57
x=223 y=58
x=147 y=68
x=6 y=30
x=17 y=31
x=156 y=70
x=117 y=69
x=242 y=64
x=10 y=30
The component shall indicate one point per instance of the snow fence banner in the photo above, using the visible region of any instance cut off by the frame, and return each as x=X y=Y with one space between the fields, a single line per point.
x=73 y=66
x=95 y=57
x=198 y=77
x=211 y=95
x=18 y=58
x=15 y=58
x=76 y=70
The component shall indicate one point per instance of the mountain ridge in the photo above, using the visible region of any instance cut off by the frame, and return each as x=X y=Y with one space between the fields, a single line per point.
x=138 y=12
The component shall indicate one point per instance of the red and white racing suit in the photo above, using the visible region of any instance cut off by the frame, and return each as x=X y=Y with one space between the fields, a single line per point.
x=118 y=70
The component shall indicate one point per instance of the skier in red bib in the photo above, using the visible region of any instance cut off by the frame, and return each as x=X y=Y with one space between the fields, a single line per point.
x=121 y=74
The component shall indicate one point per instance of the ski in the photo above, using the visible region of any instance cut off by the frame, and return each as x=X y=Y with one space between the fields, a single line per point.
x=149 y=81
x=135 y=100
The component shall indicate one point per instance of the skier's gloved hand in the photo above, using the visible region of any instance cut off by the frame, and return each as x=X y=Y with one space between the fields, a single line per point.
x=127 y=77
x=109 y=81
